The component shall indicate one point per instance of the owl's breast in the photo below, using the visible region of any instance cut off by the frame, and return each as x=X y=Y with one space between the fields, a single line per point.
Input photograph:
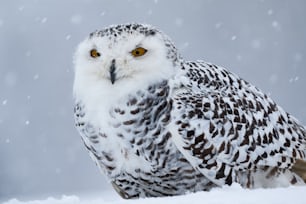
x=133 y=147
x=139 y=124
x=129 y=133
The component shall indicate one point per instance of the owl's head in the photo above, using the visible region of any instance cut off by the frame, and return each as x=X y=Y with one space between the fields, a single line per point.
x=123 y=57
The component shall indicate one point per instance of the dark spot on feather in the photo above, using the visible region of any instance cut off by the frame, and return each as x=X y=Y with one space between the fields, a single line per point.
x=135 y=111
x=236 y=156
x=287 y=143
x=129 y=122
x=220 y=173
x=211 y=128
x=190 y=133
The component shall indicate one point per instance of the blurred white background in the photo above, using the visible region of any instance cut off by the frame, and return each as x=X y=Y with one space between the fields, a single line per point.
x=41 y=153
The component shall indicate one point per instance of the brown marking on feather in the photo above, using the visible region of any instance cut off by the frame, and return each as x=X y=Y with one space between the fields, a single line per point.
x=129 y=122
x=299 y=167
x=293 y=180
x=135 y=111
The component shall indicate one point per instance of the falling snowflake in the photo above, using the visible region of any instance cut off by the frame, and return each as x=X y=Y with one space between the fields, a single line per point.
x=270 y=12
x=218 y=25
x=4 y=102
x=234 y=37
x=294 y=79
x=68 y=37
x=36 y=76
x=44 y=20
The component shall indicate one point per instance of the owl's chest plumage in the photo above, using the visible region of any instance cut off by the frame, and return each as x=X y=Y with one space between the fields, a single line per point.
x=134 y=148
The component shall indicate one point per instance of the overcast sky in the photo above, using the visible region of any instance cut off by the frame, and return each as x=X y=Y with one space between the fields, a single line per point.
x=41 y=153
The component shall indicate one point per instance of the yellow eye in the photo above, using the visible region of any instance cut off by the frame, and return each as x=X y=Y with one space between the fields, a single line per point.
x=139 y=51
x=94 y=53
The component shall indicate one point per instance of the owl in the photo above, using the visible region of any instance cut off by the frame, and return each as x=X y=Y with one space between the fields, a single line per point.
x=156 y=124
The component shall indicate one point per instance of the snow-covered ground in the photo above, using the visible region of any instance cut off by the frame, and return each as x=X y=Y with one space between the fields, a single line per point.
x=227 y=195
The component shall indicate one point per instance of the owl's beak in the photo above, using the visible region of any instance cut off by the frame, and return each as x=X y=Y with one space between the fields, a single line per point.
x=112 y=70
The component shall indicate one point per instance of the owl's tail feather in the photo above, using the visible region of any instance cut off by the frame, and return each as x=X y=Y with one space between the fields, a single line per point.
x=300 y=168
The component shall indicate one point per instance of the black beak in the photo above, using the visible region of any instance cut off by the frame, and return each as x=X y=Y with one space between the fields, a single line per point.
x=112 y=70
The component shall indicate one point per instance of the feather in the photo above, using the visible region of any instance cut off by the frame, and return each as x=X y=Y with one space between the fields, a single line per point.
x=299 y=168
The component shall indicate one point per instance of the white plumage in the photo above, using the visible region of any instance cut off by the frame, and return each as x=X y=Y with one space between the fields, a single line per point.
x=158 y=125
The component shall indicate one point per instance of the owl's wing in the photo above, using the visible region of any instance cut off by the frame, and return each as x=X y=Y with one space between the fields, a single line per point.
x=223 y=125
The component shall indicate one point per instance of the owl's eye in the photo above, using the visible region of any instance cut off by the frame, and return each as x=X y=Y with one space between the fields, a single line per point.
x=94 y=53
x=139 y=51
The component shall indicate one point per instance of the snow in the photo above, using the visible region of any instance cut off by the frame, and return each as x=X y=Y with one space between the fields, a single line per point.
x=234 y=194
x=294 y=79
x=21 y=8
x=270 y=12
x=36 y=76
x=7 y=141
x=76 y=19
x=276 y=25
x=41 y=20
x=218 y=25
x=68 y=37
x=234 y=37
x=4 y=102
x=44 y=20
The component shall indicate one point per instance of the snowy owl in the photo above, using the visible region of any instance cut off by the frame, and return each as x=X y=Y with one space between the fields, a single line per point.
x=158 y=125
